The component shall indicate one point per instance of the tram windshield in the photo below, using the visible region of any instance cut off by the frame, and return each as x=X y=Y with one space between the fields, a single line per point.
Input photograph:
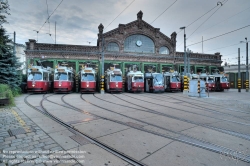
x=224 y=79
x=88 y=77
x=175 y=79
x=210 y=80
x=61 y=76
x=35 y=76
x=116 y=78
x=138 y=79
x=158 y=79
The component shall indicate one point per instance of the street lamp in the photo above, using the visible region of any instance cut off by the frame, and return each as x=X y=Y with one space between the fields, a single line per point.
x=247 y=73
x=185 y=54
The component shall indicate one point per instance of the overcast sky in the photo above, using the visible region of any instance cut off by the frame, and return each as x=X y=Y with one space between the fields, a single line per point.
x=77 y=21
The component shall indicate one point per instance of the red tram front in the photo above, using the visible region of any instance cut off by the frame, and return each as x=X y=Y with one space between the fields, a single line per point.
x=64 y=79
x=87 y=80
x=154 y=82
x=172 y=81
x=39 y=79
x=135 y=81
x=113 y=80
x=221 y=82
x=209 y=80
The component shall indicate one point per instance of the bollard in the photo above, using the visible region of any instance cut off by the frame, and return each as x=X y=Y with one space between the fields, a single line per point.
x=239 y=85
x=199 y=87
x=102 y=83
x=185 y=82
x=247 y=85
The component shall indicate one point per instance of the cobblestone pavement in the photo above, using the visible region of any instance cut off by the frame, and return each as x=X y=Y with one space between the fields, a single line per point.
x=23 y=143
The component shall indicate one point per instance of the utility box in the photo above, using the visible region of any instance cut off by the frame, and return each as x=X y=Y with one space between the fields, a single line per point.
x=193 y=90
x=197 y=88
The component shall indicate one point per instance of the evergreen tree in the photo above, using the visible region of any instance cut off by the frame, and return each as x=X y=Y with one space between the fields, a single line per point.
x=9 y=63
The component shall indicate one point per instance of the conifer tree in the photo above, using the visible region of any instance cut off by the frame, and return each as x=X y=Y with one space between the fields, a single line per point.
x=9 y=63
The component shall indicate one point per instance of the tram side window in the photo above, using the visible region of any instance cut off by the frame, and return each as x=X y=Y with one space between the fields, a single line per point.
x=224 y=79
x=116 y=78
x=45 y=76
x=210 y=79
x=88 y=77
x=61 y=76
x=175 y=79
x=70 y=76
x=138 y=79
x=158 y=80
x=35 y=76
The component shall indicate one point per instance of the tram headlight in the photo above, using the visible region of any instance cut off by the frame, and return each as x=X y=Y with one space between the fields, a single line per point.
x=33 y=85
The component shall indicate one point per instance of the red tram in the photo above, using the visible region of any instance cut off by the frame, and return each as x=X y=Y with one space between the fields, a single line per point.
x=135 y=81
x=209 y=80
x=39 y=79
x=172 y=81
x=113 y=80
x=87 y=80
x=221 y=82
x=64 y=79
x=154 y=82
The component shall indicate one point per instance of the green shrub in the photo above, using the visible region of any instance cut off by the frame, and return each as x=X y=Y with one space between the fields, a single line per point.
x=6 y=92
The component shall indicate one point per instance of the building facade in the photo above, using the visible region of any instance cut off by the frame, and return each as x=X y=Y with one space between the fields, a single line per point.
x=135 y=43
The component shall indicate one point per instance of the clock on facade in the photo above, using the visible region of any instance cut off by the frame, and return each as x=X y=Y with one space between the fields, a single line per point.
x=138 y=43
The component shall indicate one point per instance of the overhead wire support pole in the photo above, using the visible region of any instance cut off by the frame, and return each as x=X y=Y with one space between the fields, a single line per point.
x=102 y=77
x=55 y=32
x=247 y=72
x=239 y=79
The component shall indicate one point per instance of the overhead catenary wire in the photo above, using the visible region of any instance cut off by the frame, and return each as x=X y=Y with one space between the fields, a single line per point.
x=118 y=15
x=223 y=47
x=163 y=12
x=50 y=15
x=204 y=21
x=226 y=19
x=219 y=35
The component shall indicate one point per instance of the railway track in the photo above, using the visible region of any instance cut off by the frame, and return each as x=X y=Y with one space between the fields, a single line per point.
x=180 y=137
x=233 y=133
x=195 y=105
x=183 y=138
x=113 y=151
x=246 y=124
x=205 y=102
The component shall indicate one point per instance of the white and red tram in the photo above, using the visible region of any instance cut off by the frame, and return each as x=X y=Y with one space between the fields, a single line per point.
x=64 y=79
x=113 y=80
x=172 y=81
x=87 y=80
x=221 y=81
x=135 y=81
x=39 y=79
x=154 y=82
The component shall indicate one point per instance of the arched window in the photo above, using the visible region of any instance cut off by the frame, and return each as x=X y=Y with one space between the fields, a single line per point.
x=164 y=50
x=113 y=47
x=139 y=43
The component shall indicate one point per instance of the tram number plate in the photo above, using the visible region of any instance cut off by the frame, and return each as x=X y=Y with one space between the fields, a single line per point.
x=87 y=71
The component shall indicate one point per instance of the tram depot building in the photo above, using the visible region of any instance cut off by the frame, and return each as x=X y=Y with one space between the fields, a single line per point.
x=135 y=43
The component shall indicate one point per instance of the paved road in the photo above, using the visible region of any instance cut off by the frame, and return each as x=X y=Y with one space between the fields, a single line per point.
x=147 y=127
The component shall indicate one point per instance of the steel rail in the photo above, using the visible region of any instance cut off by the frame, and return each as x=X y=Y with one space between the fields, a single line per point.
x=214 y=105
x=233 y=133
x=113 y=151
x=246 y=124
x=180 y=137
x=195 y=106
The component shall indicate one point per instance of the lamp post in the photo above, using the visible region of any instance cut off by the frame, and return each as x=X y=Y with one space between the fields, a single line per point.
x=185 y=54
x=247 y=73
